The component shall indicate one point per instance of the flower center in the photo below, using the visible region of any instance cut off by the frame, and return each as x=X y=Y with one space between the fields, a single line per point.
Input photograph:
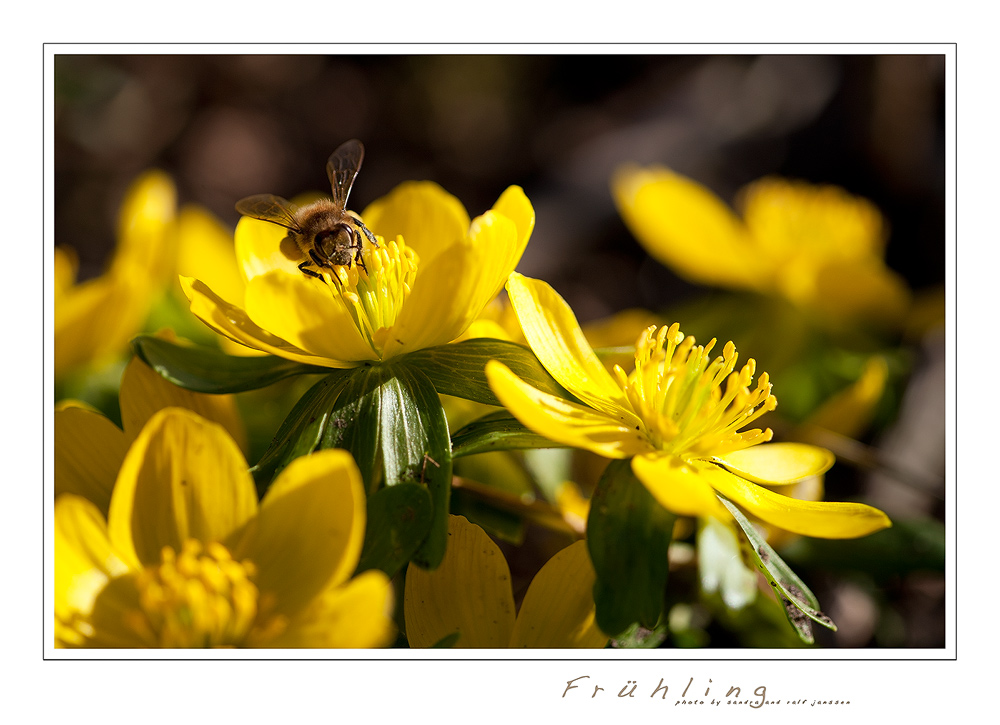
x=200 y=597
x=691 y=405
x=375 y=293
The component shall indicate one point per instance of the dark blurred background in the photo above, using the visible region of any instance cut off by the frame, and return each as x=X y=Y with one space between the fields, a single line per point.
x=229 y=126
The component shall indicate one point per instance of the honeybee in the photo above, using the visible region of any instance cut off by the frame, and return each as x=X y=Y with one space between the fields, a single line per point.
x=323 y=231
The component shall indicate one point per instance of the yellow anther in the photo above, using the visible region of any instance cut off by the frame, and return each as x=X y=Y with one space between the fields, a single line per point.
x=689 y=403
x=200 y=598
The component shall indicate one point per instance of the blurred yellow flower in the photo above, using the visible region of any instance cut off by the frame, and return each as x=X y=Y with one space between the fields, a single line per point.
x=676 y=416
x=470 y=594
x=850 y=411
x=206 y=251
x=186 y=556
x=95 y=319
x=89 y=448
x=816 y=246
x=412 y=294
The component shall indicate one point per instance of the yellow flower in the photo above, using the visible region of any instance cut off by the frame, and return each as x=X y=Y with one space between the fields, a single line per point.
x=89 y=448
x=95 y=319
x=188 y=558
x=470 y=594
x=205 y=251
x=412 y=294
x=677 y=417
x=816 y=246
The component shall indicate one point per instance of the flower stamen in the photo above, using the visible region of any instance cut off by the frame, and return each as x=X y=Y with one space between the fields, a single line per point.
x=693 y=405
x=200 y=597
x=374 y=294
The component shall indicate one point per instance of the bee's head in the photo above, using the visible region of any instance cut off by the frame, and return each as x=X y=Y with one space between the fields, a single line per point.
x=335 y=244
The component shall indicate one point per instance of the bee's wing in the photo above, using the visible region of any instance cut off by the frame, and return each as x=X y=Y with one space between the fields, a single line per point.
x=269 y=208
x=342 y=168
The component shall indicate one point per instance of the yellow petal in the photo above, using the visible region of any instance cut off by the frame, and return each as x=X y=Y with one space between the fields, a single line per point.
x=84 y=563
x=453 y=290
x=310 y=529
x=258 y=249
x=558 y=610
x=206 y=252
x=487 y=328
x=116 y=617
x=683 y=488
x=778 y=463
x=809 y=489
x=425 y=215
x=499 y=242
x=234 y=323
x=307 y=313
x=89 y=450
x=563 y=421
x=514 y=204
x=849 y=411
x=554 y=335
x=793 y=218
x=469 y=593
x=115 y=303
x=118 y=302
x=144 y=392
x=497 y=320
x=861 y=291
x=824 y=519
x=686 y=227
x=145 y=229
x=183 y=478
x=356 y=615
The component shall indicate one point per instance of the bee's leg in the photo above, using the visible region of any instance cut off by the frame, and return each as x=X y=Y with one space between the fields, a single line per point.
x=359 y=259
x=361 y=225
x=311 y=273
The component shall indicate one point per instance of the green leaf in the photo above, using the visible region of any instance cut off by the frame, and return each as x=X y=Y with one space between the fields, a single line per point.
x=206 y=370
x=628 y=534
x=301 y=432
x=390 y=418
x=459 y=368
x=799 y=602
x=498 y=431
x=639 y=637
x=399 y=518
